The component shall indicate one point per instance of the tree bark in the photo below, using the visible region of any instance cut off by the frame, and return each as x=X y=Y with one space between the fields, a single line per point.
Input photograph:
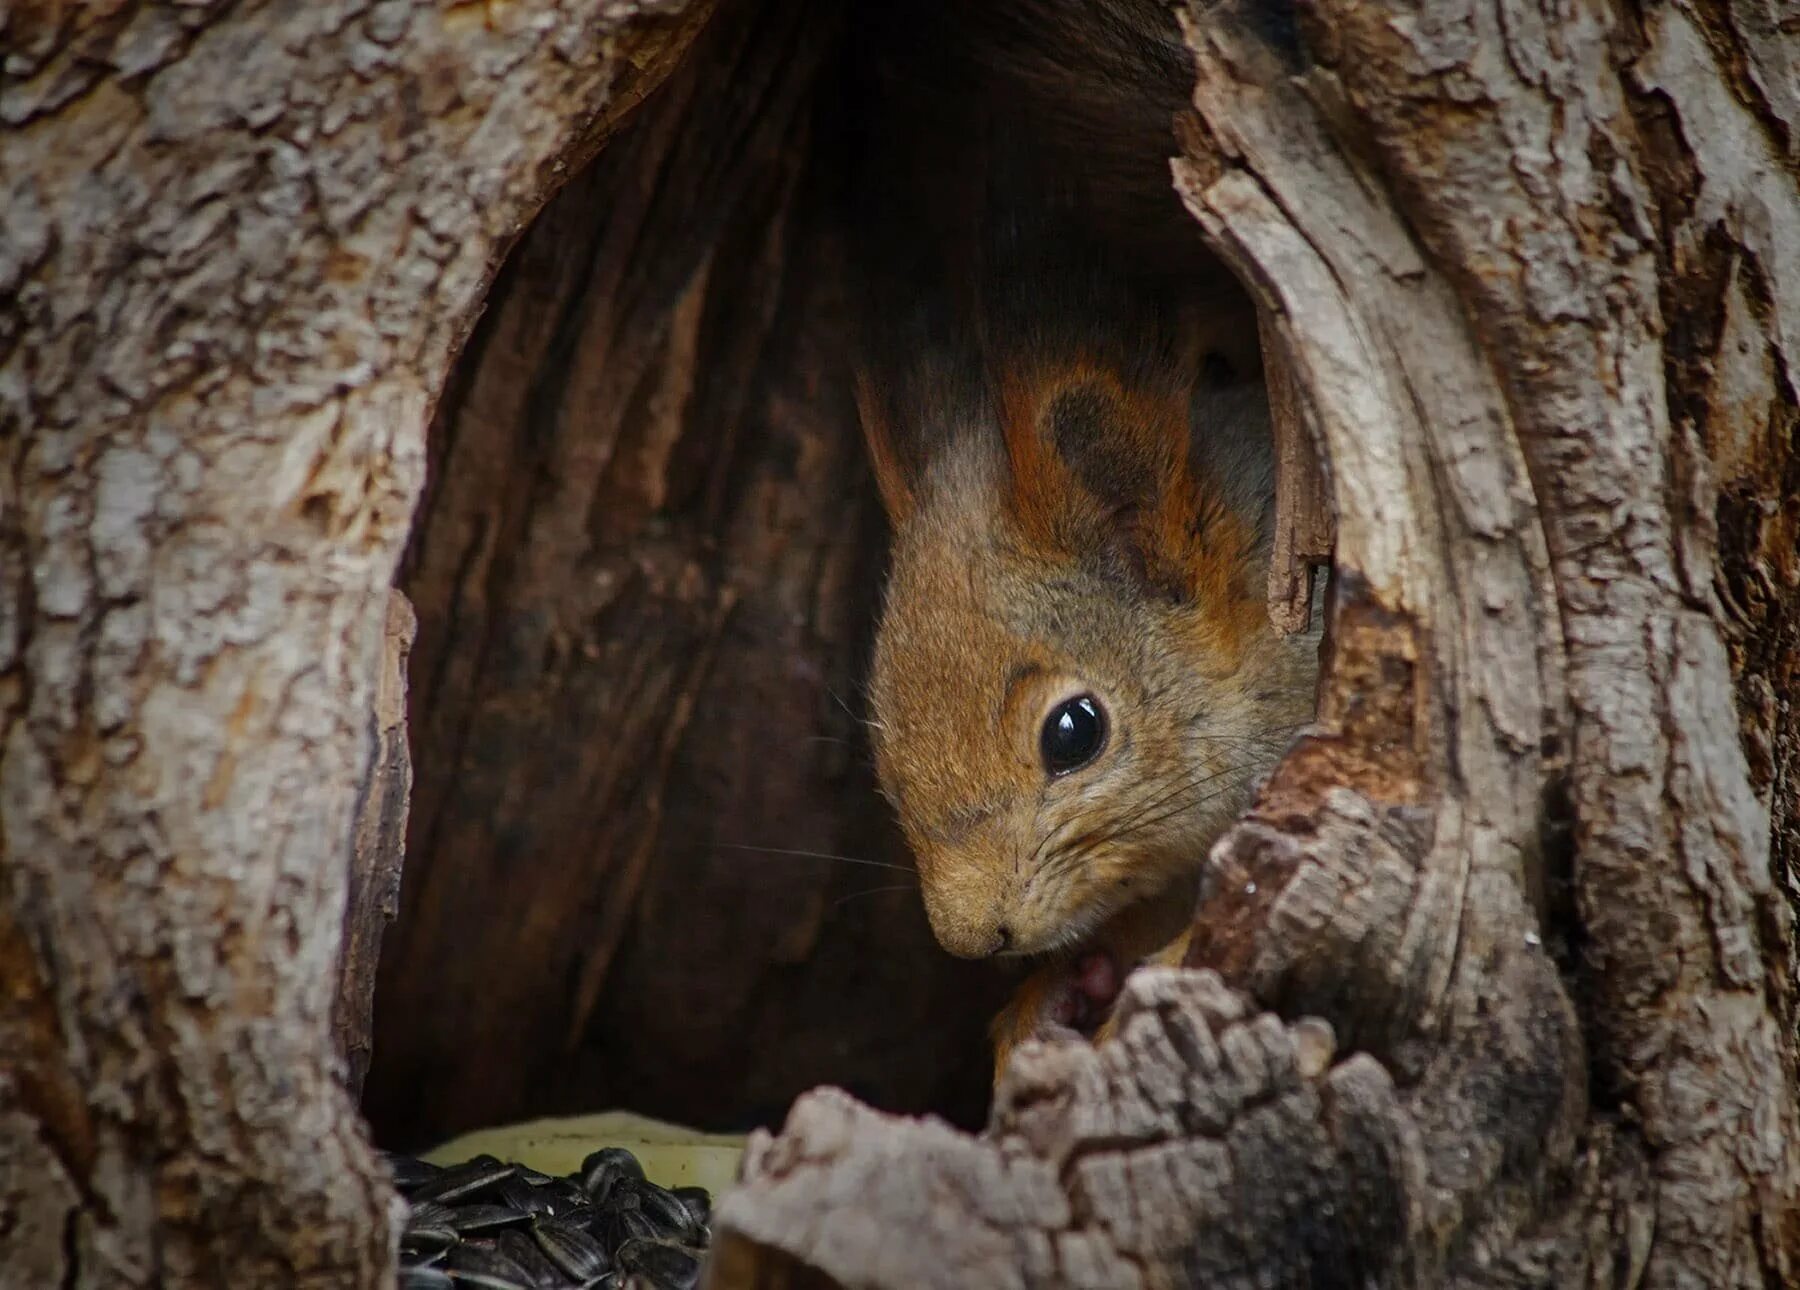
x=1493 y=986
x=238 y=247
x=1509 y=906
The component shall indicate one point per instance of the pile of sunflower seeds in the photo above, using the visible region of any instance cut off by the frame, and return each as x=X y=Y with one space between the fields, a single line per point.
x=495 y=1226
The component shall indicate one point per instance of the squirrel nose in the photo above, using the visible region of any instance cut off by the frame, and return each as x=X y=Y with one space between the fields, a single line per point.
x=972 y=938
x=969 y=915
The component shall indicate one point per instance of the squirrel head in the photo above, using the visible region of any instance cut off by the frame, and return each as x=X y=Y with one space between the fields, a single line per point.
x=1074 y=680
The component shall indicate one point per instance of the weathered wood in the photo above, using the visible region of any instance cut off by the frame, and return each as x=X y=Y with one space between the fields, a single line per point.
x=238 y=247
x=1304 y=527
x=1729 y=271
x=1464 y=240
x=377 y=850
x=1533 y=275
x=645 y=575
x=1667 y=831
x=1098 y=1165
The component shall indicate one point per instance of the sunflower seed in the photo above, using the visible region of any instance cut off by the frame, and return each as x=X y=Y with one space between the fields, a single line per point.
x=489 y=1281
x=673 y=1222
x=409 y=1171
x=425 y=1279
x=464 y=1181
x=517 y=1193
x=583 y=1216
x=429 y=1214
x=698 y=1203
x=616 y=1226
x=475 y=1266
x=428 y=1238
x=668 y=1267
x=488 y=1225
x=574 y=1251
x=604 y=1168
x=484 y=1218
x=521 y=1249
x=568 y=1189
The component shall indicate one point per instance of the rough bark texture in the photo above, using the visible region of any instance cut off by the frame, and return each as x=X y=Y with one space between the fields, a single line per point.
x=1529 y=269
x=1493 y=986
x=645 y=570
x=238 y=246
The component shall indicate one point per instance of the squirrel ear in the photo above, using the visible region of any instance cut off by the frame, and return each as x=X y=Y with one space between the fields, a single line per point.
x=1045 y=496
x=1124 y=459
x=884 y=453
x=1120 y=454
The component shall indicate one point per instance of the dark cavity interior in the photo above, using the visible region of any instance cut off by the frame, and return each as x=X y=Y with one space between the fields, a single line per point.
x=645 y=574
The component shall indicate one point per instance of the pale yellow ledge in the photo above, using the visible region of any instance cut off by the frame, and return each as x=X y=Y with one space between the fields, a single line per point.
x=671 y=1155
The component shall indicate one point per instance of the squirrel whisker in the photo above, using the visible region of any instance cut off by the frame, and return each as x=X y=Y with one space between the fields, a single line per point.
x=1174 y=801
x=1185 y=798
x=850 y=712
x=1047 y=843
x=814 y=855
x=1144 y=814
x=872 y=891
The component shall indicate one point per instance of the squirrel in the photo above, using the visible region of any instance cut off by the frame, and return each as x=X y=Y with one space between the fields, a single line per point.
x=1075 y=682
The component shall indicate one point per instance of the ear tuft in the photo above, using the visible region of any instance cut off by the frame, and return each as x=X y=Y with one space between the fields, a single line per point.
x=897 y=494
x=1045 y=497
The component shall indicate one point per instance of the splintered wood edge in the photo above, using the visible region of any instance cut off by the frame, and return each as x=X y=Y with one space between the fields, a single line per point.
x=378 y=848
x=1304 y=525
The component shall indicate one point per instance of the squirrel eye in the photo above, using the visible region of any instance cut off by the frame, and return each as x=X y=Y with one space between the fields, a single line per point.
x=1073 y=734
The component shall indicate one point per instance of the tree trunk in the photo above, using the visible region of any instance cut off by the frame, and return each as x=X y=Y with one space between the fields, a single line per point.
x=1509 y=907
x=1493 y=986
x=238 y=247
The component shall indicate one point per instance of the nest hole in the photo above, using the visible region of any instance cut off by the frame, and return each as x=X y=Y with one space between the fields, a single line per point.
x=647 y=866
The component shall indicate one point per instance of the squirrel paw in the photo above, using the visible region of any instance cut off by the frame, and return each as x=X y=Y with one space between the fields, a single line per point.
x=1070 y=1000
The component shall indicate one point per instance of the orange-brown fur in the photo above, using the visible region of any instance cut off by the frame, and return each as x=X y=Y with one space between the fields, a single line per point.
x=1061 y=396
x=1008 y=592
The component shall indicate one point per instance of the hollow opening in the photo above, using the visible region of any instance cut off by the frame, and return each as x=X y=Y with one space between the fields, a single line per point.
x=647 y=864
